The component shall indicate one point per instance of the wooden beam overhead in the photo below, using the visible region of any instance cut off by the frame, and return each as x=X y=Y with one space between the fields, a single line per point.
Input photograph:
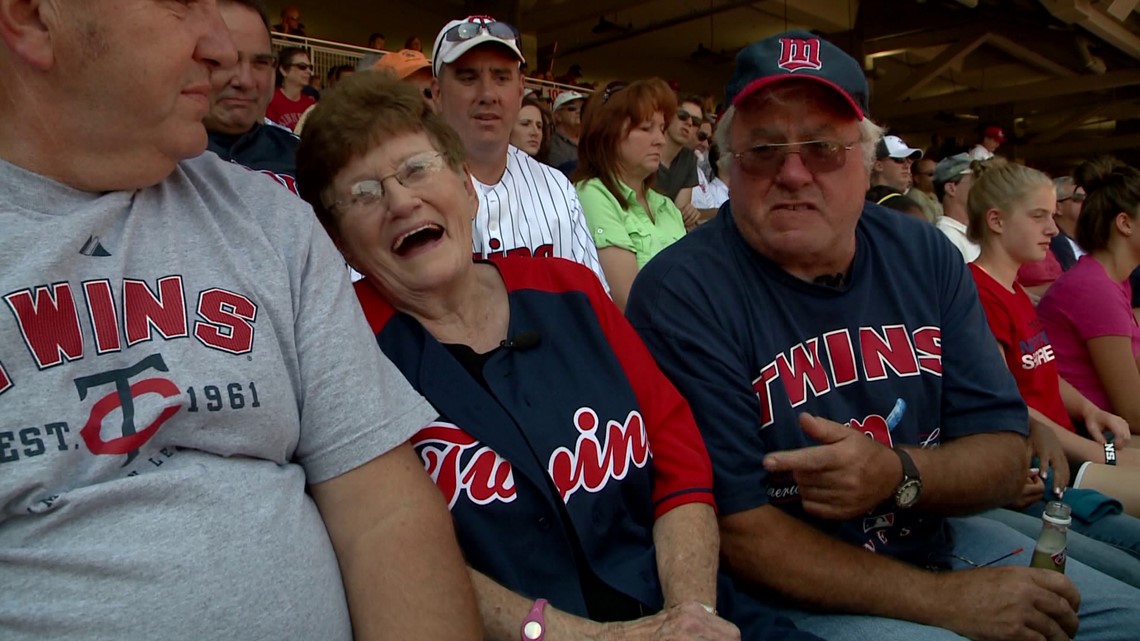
x=949 y=57
x=1045 y=90
x=1080 y=147
x=1029 y=56
x=1055 y=132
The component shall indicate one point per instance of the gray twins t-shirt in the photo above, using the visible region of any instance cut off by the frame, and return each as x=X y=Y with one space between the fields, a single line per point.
x=176 y=364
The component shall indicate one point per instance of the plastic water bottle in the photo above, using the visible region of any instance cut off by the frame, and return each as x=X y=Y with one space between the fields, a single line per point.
x=1050 y=551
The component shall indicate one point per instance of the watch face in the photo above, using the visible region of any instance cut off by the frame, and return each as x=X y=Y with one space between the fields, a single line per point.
x=907 y=494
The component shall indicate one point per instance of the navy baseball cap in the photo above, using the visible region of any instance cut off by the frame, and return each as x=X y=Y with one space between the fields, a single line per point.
x=797 y=55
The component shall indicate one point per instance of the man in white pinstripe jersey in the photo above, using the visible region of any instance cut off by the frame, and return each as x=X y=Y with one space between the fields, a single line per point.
x=525 y=207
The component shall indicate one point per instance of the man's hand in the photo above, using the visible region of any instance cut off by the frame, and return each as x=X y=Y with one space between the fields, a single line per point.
x=1098 y=421
x=1009 y=604
x=845 y=476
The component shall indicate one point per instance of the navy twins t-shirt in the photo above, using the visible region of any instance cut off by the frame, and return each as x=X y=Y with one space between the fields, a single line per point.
x=902 y=352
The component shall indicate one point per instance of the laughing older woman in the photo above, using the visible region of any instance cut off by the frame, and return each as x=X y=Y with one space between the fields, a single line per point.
x=573 y=469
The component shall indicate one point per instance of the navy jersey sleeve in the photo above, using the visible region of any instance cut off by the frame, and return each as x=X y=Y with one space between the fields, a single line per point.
x=698 y=354
x=979 y=393
x=682 y=472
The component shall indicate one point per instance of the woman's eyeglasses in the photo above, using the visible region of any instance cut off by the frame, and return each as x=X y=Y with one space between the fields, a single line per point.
x=303 y=66
x=818 y=156
x=368 y=195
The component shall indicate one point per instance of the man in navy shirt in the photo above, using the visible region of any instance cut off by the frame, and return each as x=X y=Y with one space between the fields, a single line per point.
x=238 y=131
x=838 y=363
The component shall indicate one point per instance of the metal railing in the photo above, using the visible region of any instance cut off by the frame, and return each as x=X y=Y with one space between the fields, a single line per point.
x=326 y=54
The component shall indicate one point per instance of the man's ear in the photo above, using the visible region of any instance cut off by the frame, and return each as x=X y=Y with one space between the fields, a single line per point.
x=435 y=93
x=25 y=28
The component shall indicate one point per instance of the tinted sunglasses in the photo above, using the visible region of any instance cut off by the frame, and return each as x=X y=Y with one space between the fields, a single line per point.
x=474 y=26
x=685 y=116
x=818 y=156
x=303 y=66
x=702 y=136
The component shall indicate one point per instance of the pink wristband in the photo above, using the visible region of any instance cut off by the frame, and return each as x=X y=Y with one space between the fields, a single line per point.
x=534 y=625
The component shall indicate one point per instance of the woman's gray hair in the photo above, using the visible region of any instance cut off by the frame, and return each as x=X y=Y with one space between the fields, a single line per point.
x=869 y=136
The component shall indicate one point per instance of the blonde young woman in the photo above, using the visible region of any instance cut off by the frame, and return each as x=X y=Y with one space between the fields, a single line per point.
x=1011 y=216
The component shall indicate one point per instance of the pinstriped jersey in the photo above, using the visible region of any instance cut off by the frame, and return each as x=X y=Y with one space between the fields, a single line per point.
x=532 y=211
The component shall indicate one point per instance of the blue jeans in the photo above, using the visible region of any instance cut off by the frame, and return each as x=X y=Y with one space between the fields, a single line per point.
x=1109 y=545
x=1110 y=610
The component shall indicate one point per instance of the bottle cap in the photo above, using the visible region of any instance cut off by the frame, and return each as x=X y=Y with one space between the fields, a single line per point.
x=1058 y=513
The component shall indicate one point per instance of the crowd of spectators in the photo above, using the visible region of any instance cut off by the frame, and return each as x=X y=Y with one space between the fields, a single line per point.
x=674 y=370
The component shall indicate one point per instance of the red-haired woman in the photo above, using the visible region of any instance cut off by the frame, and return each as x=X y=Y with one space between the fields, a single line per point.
x=623 y=133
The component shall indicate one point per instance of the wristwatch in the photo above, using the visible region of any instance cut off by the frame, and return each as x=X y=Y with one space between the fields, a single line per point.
x=534 y=625
x=909 y=489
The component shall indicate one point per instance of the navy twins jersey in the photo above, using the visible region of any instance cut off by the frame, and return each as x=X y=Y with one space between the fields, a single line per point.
x=577 y=436
x=901 y=353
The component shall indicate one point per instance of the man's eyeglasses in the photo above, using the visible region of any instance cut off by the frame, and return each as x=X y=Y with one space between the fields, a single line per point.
x=818 y=156
x=1075 y=197
x=303 y=66
x=368 y=195
x=702 y=136
x=685 y=116
x=472 y=27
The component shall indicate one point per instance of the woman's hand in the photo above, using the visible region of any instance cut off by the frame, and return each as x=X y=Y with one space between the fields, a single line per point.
x=1044 y=445
x=688 y=621
x=1032 y=492
x=1098 y=421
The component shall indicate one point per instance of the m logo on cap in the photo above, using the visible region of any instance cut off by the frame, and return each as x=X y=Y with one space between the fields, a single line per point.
x=799 y=53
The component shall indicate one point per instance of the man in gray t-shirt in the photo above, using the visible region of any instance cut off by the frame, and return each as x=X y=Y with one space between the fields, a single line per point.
x=181 y=358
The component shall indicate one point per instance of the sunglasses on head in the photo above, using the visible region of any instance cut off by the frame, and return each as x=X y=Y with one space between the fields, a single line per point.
x=613 y=88
x=474 y=26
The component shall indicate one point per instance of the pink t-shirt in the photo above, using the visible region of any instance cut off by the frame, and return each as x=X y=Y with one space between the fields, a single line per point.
x=1084 y=303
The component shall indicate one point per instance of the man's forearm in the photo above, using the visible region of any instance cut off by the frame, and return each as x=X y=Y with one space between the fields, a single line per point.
x=688 y=543
x=972 y=473
x=770 y=548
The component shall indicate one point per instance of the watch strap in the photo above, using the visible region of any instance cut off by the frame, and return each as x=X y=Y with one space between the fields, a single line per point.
x=910 y=470
x=534 y=625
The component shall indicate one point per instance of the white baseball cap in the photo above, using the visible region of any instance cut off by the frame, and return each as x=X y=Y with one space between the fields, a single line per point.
x=460 y=36
x=894 y=147
x=566 y=97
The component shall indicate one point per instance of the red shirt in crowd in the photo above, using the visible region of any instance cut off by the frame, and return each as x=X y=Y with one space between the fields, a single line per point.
x=1027 y=350
x=286 y=112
